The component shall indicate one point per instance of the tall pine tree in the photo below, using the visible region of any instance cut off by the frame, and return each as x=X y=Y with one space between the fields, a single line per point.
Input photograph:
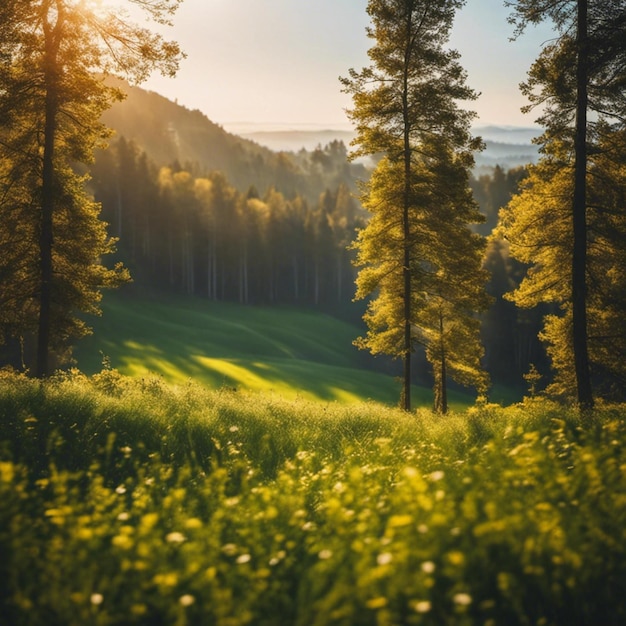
x=406 y=109
x=53 y=93
x=579 y=79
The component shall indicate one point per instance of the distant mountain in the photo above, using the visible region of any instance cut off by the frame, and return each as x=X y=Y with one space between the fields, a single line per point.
x=506 y=155
x=296 y=140
x=168 y=132
x=517 y=135
x=506 y=146
x=264 y=157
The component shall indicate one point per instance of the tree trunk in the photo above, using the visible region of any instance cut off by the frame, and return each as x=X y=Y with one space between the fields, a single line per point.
x=441 y=382
x=47 y=197
x=579 y=207
x=45 y=237
x=406 y=234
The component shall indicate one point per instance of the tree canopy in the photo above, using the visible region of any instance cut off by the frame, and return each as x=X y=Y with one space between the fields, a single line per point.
x=57 y=54
x=406 y=107
x=578 y=80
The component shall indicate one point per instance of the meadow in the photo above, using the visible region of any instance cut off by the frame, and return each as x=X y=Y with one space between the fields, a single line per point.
x=292 y=353
x=136 y=501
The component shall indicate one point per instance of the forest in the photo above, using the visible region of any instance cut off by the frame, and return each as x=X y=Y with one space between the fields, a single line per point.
x=488 y=278
x=128 y=499
x=194 y=234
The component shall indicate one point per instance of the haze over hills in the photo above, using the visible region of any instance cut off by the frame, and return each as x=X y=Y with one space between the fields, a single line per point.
x=249 y=153
x=172 y=134
x=507 y=146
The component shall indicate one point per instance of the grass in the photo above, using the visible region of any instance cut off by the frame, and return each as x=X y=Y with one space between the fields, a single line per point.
x=292 y=353
x=132 y=501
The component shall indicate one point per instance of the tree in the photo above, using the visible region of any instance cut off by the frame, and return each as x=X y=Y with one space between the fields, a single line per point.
x=406 y=109
x=537 y=224
x=54 y=91
x=580 y=73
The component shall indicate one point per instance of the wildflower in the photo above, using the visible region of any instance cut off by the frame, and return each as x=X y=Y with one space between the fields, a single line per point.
x=243 y=558
x=233 y=429
x=229 y=549
x=384 y=558
x=186 y=600
x=120 y=489
x=422 y=529
x=280 y=555
x=428 y=567
x=437 y=475
x=423 y=606
x=325 y=554
x=123 y=517
x=175 y=537
x=193 y=522
x=96 y=599
x=397 y=521
x=462 y=599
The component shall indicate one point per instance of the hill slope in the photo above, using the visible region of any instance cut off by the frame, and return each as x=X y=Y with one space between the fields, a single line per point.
x=170 y=133
x=288 y=352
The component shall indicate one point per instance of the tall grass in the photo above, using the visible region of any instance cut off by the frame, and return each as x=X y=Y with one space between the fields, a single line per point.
x=130 y=501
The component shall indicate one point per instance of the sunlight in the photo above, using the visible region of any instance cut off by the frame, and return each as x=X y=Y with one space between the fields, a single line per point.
x=99 y=5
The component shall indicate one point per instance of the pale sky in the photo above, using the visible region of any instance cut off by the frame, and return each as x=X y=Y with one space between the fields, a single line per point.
x=276 y=63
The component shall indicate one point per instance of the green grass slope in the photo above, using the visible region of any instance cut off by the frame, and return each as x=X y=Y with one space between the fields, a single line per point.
x=291 y=353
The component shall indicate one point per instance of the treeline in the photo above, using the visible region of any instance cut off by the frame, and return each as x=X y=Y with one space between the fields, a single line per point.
x=197 y=234
x=168 y=132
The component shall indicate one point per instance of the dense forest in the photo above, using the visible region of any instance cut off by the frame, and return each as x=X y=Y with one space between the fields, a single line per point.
x=516 y=271
x=193 y=217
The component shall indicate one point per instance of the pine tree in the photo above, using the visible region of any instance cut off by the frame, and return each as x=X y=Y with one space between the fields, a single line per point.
x=579 y=74
x=406 y=109
x=53 y=92
x=537 y=224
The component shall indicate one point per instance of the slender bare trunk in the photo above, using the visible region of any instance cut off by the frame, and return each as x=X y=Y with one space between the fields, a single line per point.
x=52 y=37
x=579 y=208
x=406 y=234
x=441 y=378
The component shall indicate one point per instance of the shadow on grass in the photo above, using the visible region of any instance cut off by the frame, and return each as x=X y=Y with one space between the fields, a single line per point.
x=290 y=353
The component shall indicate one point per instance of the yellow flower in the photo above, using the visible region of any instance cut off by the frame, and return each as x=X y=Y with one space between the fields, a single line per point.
x=376 y=603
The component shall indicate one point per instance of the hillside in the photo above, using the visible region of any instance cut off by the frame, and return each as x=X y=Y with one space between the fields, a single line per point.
x=170 y=133
x=284 y=351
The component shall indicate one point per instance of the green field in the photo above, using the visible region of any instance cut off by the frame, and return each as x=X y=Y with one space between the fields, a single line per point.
x=291 y=353
x=128 y=501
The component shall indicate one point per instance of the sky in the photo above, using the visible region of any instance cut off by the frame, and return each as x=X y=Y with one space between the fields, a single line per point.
x=275 y=64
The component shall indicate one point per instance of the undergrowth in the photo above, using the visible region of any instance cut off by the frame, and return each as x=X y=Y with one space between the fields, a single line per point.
x=129 y=501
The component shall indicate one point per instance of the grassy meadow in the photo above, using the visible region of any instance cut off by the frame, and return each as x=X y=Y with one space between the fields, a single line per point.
x=129 y=500
x=291 y=353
